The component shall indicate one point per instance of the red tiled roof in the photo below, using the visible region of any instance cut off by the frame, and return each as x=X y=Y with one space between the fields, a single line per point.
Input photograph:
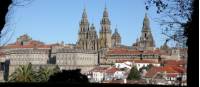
x=145 y=61
x=153 y=71
x=180 y=69
x=174 y=62
x=27 y=46
x=123 y=60
x=99 y=69
x=167 y=69
x=135 y=52
x=127 y=82
x=158 y=52
x=123 y=51
x=112 y=70
x=172 y=75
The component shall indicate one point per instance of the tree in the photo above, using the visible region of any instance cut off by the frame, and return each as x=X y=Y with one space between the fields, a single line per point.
x=44 y=73
x=5 y=12
x=69 y=76
x=175 y=14
x=24 y=73
x=134 y=74
x=4 y=4
x=56 y=69
x=189 y=30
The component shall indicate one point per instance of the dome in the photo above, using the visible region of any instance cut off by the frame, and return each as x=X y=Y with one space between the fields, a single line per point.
x=116 y=34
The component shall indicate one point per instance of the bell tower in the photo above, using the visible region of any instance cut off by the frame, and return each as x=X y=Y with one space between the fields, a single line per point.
x=105 y=32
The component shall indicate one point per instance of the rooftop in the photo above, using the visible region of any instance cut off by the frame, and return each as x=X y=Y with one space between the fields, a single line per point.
x=167 y=69
x=145 y=61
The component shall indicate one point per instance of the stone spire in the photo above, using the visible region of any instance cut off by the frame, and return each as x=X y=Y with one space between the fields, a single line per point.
x=105 y=13
x=146 y=41
x=105 y=32
x=105 y=19
x=146 y=24
x=84 y=17
x=83 y=31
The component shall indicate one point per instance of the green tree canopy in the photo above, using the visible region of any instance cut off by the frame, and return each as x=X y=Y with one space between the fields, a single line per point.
x=134 y=74
x=44 y=73
x=24 y=73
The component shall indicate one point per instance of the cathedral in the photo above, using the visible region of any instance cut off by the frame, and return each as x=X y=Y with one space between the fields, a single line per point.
x=146 y=41
x=89 y=51
x=88 y=39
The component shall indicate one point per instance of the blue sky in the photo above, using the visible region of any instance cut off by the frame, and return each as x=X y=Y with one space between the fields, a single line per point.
x=53 y=21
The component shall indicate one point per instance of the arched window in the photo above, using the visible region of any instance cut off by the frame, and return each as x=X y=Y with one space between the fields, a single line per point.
x=145 y=34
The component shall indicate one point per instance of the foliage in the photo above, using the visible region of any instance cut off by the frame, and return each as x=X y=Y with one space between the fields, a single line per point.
x=24 y=73
x=134 y=74
x=69 y=76
x=174 y=17
x=4 y=4
x=44 y=74
x=56 y=69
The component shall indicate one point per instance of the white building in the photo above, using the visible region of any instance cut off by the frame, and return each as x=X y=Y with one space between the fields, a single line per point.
x=119 y=75
x=97 y=74
x=144 y=63
x=126 y=64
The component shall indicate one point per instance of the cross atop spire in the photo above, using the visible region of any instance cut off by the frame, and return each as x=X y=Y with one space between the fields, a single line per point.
x=116 y=30
x=84 y=15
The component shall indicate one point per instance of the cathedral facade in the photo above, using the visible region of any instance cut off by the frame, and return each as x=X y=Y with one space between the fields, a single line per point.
x=88 y=39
